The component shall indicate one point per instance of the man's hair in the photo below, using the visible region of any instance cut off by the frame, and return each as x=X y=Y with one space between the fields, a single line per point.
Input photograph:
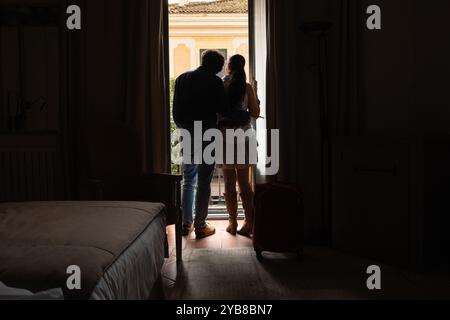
x=213 y=61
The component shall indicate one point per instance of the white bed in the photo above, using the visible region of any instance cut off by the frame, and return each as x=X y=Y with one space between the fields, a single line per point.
x=119 y=246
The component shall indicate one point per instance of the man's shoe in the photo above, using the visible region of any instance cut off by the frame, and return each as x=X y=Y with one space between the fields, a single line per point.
x=205 y=232
x=187 y=229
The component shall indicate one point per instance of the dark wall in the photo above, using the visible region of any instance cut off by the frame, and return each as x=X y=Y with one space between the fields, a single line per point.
x=405 y=87
x=387 y=68
x=403 y=91
x=432 y=62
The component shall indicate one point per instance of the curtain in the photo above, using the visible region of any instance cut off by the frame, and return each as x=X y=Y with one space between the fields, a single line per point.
x=125 y=101
x=146 y=98
x=278 y=111
x=294 y=97
x=348 y=119
x=293 y=106
x=274 y=11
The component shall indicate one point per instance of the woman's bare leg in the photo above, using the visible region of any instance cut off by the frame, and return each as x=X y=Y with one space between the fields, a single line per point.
x=247 y=195
x=229 y=176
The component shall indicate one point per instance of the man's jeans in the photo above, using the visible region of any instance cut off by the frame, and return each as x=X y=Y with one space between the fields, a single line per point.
x=196 y=178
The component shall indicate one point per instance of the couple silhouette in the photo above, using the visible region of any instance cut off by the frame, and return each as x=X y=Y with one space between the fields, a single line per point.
x=226 y=104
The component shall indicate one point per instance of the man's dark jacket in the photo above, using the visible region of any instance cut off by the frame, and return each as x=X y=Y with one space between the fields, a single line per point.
x=199 y=96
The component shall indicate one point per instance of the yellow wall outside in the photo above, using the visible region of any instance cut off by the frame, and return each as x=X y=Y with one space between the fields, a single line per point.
x=182 y=55
x=189 y=34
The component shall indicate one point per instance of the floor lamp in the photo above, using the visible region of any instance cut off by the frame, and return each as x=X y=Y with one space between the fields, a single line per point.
x=319 y=30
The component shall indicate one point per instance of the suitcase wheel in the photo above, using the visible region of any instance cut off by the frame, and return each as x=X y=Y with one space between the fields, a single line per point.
x=259 y=255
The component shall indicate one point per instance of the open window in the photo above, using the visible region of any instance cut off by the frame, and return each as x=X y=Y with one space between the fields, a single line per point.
x=231 y=27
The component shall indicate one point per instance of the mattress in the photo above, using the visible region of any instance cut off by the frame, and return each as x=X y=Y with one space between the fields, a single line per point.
x=118 y=246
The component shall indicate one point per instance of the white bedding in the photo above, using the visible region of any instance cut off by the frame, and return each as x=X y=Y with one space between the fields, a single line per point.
x=7 y=293
x=119 y=246
x=132 y=276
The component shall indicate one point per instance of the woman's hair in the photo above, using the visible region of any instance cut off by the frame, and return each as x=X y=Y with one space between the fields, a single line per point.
x=237 y=85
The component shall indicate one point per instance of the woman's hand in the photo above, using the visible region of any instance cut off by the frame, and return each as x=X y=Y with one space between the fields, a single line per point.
x=255 y=86
x=253 y=105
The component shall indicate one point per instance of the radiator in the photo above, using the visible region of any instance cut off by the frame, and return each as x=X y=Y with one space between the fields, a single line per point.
x=31 y=170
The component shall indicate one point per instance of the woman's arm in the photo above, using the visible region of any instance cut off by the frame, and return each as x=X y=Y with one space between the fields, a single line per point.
x=253 y=106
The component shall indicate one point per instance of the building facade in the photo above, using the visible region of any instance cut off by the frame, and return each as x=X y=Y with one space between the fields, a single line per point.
x=198 y=26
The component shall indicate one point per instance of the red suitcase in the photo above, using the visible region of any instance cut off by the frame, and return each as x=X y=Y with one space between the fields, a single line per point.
x=278 y=219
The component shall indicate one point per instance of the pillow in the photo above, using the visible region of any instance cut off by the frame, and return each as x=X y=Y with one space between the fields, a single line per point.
x=7 y=293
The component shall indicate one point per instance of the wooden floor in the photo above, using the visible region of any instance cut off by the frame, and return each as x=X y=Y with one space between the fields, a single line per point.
x=221 y=240
x=314 y=273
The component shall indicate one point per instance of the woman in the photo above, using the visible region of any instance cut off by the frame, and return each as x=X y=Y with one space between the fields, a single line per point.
x=242 y=99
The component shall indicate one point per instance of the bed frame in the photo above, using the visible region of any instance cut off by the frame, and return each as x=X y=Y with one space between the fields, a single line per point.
x=163 y=188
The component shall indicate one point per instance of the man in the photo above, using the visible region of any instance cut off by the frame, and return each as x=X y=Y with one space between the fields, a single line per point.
x=199 y=96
